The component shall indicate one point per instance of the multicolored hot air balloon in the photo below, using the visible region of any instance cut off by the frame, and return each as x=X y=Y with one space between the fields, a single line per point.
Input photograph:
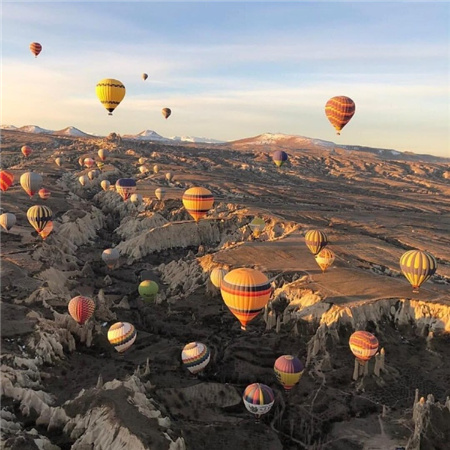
x=148 y=289
x=339 y=111
x=6 y=180
x=137 y=199
x=246 y=292
x=83 y=180
x=418 y=267
x=166 y=112
x=46 y=231
x=144 y=76
x=110 y=256
x=217 y=275
x=288 y=370
x=39 y=216
x=363 y=345
x=125 y=187
x=122 y=336
x=279 y=157
x=81 y=308
x=35 y=48
x=325 y=258
x=7 y=220
x=44 y=193
x=160 y=193
x=105 y=184
x=257 y=226
x=88 y=162
x=102 y=154
x=315 y=240
x=195 y=357
x=110 y=92
x=258 y=399
x=26 y=151
x=31 y=182
x=198 y=201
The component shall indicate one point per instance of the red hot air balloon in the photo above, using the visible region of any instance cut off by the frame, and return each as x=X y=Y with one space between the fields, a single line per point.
x=363 y=345
x=6 y=180
x=26 y=151
x=81 y=308
x=35 y=48
x=44 y=193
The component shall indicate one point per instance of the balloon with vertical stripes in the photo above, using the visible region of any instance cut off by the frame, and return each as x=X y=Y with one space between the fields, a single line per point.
x=39 y=216
x=288 y=370
x=110 y=92
x=258 y=399
x=418 y=267
x=315 y=240
x=81 y=308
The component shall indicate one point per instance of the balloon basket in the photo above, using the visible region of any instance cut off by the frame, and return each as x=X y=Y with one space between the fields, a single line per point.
x=416 y=290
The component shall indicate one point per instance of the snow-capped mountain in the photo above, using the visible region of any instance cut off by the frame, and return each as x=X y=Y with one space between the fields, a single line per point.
x=146 y=135
x=8 y=127
x=280 y=139
x=199 y=140
x=71 y=131
x=34 y=129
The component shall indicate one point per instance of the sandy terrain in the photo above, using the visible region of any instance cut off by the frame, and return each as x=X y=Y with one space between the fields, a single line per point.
x=64 y=386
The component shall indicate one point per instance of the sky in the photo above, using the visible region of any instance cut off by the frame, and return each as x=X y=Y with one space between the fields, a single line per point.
x=231 y=70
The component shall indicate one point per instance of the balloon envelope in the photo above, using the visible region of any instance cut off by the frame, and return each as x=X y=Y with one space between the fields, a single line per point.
x=417 y=266
x=195 y=356
x=122 y=336
x=125 y=187
x=81 y=308
x=279 y=157
x=315 y=240
x=26 y=151
x=258 y=398
x=148 y=289
x=339 y=110
x=160 y=193
x=288 y=370
x=198 y=201
x=44 y=193
x=325 y=258
x=58 y=161
x=166 y=112
x=7 y=220
x=217 y=275
x=110 y=256
x=102 y=154
x=31 y=182
x=110 y=92
x=144 y=76
x=46 y=231
x=105 y=184
x=83 y=180
x=6 y=180
x=88 y=162
x=35 y=48
x=136 y=199
x=363 y=345
x=39 y=216
x=257 y=225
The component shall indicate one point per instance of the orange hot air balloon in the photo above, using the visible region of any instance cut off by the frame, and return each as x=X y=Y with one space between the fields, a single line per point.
x=44 y=193
x=339 y=110
x=198 y=201
x=246 y=292
x=35 y=48
x=6 y=180
x=81 y=308
x=46 y=231
x=26 y=151
x=363 y=345
x=88 y=162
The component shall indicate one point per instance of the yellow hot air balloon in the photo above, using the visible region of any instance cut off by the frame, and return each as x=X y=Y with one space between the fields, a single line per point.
x=155 y=168
x=288 y=370
x=110 y=92
x=198 y=201
x=217 y=275
x=31 y=182
x=325 y=259
x=169 y=176
x=39 y=217
x=160 y=193
x=122 y=336
x=418 y=267
x=257 y=226
x=105 y=184
x=58 y=161
x=83 y=180
x=315 y=240
x=143 y=169
x=142 y=160
x=246 y=292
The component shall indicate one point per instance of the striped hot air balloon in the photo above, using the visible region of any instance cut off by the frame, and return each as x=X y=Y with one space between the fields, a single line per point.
x=44 y=193
x=26 y=151
x=258 y=399
x=198 y=201
x=39 y=216
x=418 y=267
x=246 y=292
x=315 y=240
x=6 y=180
x=325 y=259
x=160 y=193
x=288 y=370
x=105 y=184
x=110 y=256
x=257 y=226
x=35 y=48
x=102 y=154
x=46 y=231
x=110 y=92
x=363 y=345
x=7 y=220
x=279 y=157
x=195 y=357
x=339 y=110
x=125 y=187
x=122 y=336
x=31 y=182
x=148 y=289
x=217 y=275
x=81 y=308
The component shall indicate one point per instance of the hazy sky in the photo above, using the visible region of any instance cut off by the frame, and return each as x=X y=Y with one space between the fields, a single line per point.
x=230 y=70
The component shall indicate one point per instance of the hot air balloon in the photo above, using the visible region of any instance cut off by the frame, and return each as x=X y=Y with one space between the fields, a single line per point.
x=46 y=231
x=257 y=226
x=81 y=161
x=110 y=92
x=339 y=111
x=325 y=259
x=315 y=240
x=217 y=275
x=279 y=157
x=125 y=187
x=105 y=184
x=44 y=193
x=35 y=48
x=166 y=112
x=6 y=180
x=160 y=193
x=142 y=160
x=102 y=154
x=418 y=267
x=246 y=292
x=91 y=174
x=143 y=169
x=148 y=289
x=136 y=199
x=88 y=162
x=7 y=220
x=288 y=370
x=26 y=151
x=155 y=168
x=39 y=216
x=258 y=399
x=363 y=345
x=144 y=76
x=81 y=308
x=110 y=256
x=169 y=176
x=83 y=180
x=58 y=161
x=100 y=164
x=122 y=336
x=31 y=182
x=195 y=357
x=198 y=201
